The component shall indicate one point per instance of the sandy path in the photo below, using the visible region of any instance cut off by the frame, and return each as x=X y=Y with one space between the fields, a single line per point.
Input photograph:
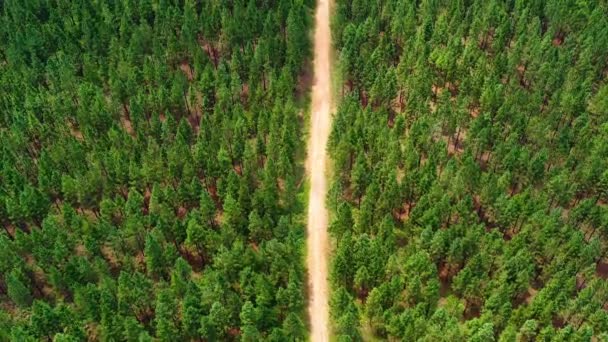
x=317 y=253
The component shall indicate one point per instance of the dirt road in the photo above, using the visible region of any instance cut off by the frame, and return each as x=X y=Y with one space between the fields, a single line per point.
x=318 y=248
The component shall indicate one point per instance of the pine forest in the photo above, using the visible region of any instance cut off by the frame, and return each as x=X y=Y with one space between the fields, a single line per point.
x=294 y=170
x=150 y=170
x=470 y=182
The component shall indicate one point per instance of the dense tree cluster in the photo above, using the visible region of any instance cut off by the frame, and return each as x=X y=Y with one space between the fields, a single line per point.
x=150 y=169
x=470 y=185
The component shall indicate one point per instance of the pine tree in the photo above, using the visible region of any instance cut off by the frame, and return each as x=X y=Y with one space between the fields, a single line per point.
x=17 y=289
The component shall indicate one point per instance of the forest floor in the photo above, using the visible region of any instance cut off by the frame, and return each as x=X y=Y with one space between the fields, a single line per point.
x=318 y=246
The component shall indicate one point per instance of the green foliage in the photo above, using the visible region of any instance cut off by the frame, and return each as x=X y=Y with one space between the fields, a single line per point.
x=469 y=153
x=17 y=289
x=149 y=162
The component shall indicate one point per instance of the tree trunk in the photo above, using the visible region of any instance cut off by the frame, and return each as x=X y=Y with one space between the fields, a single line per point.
x=8 y=233
x=186 y=102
